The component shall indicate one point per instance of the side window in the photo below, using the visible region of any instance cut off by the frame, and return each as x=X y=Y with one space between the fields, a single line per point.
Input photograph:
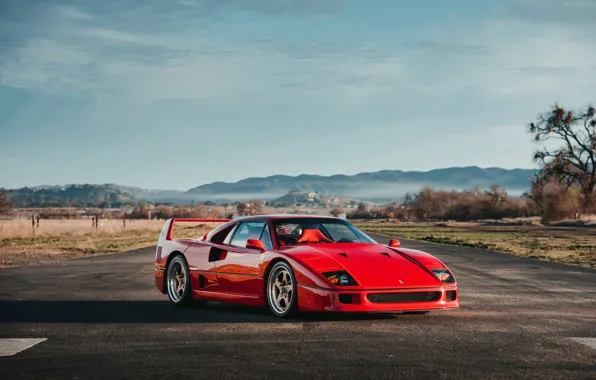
x=245 y=231
x=228 y=238
x=266 y=238
x=223 y=235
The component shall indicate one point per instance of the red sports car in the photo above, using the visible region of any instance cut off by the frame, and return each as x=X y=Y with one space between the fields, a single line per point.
x=294 y=263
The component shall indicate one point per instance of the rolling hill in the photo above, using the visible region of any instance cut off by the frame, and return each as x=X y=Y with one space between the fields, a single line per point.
x=385 y=185
x=376 y=186
x=70 y=196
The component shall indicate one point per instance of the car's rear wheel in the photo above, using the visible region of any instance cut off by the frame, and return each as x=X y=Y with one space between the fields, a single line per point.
x=178 y=282
x=282 y=294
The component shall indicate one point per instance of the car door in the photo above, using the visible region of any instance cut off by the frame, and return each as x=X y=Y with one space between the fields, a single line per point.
x=211 y=251
x=238 y=271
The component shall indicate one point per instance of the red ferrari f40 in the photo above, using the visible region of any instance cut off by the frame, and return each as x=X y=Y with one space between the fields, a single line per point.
x=294 y=263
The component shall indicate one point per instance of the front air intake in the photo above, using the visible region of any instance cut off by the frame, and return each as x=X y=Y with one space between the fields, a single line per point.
x=403 y=297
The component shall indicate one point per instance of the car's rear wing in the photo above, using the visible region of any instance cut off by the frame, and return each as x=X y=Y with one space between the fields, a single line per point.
x=167 y=230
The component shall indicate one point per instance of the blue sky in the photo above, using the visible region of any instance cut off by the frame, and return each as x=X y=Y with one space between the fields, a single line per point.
x=176 y=93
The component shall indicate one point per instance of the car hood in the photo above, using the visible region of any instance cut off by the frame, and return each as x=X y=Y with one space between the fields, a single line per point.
x=371 y=265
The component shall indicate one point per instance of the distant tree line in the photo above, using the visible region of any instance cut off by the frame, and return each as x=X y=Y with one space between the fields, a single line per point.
x=5 y=202
x=473 y=204
x=144 y=211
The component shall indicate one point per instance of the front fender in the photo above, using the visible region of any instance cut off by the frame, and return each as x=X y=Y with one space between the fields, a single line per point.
x=307 y=271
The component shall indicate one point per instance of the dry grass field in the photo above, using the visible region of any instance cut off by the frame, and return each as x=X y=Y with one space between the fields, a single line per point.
x=22 y=228
x=57 y=240
x=561 y=243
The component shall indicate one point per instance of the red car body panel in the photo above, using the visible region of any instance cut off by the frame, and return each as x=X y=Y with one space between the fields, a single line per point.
x=225 y=273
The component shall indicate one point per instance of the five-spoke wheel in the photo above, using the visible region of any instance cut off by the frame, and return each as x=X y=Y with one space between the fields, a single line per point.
x=178 y=282
x=281 y=290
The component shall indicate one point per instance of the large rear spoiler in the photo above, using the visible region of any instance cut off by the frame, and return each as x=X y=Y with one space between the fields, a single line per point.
x=168 y=227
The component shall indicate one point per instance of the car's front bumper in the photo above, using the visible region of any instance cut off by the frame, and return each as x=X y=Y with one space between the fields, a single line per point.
x=377 y=300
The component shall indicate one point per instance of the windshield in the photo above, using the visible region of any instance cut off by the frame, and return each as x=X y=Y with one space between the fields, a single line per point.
x=317 y=231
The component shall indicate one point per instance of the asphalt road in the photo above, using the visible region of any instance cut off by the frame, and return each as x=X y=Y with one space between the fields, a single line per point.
x=102 y=318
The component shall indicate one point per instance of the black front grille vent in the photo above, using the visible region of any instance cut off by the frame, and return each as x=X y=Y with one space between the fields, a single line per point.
x=403 y=297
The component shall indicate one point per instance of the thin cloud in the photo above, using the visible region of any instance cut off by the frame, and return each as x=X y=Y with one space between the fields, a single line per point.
x=495 y=56
x=72 y=13
x=450 y=47
x=45 y=65
x=114 y=35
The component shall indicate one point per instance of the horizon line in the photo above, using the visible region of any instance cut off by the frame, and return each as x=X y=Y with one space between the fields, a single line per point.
x=265 y=177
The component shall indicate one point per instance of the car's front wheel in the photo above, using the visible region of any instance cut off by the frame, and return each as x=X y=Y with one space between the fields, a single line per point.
x=281 y=290
x=178 y=282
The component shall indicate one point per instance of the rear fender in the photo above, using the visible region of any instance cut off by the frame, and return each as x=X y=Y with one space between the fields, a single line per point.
x=166 y=245
x=159 y=262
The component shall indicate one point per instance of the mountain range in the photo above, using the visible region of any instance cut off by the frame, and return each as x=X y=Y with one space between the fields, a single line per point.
x=380 y=186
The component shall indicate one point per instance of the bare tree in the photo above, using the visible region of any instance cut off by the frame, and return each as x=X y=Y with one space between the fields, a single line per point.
x=257 y=207
x=250 y=208
x=242 y=208
x=573 y=160
x=336 y=211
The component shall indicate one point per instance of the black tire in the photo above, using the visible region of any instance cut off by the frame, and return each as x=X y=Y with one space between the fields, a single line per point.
x=182 y=297
x=289 y=309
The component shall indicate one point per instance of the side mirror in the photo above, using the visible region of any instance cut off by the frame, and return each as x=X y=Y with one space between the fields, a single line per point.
x=255 y=244
x=394 y=243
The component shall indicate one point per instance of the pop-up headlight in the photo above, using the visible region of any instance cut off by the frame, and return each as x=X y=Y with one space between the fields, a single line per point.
x=340 y=278
x=444 y=275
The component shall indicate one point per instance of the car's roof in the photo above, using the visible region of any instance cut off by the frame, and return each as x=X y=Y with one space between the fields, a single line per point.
x=285 y=216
